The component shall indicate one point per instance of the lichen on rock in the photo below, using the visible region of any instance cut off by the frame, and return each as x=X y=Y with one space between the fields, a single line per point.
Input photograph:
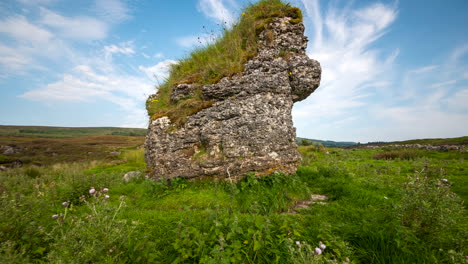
x=247 y=127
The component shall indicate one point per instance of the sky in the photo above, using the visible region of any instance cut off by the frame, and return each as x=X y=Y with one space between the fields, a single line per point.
x=391 y=70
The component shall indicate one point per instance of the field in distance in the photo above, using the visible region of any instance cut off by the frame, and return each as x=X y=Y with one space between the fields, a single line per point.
x=68 y=132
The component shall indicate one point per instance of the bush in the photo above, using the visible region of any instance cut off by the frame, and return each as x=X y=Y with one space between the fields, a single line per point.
x=98 y=237
x=432 y=211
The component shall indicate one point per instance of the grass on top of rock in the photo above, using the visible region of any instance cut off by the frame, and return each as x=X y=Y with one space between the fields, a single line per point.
x=210 y=63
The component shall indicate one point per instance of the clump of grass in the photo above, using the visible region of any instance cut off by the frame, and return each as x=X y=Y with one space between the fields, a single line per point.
x=405 y=154
x=225 y=57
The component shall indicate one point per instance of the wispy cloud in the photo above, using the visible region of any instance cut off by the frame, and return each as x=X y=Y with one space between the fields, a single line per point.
x=87 y=84
x=36 y=2
x=352 y=71
x=114 y=11
x=424 y=69
x=81 y=27
x=125 y=48
x=21 y=30
x=218 y=10
x=440 y=84
x=158 y=73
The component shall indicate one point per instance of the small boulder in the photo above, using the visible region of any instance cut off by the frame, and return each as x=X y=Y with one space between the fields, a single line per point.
x=131 y=175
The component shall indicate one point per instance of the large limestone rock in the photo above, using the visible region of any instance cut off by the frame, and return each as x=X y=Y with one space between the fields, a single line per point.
x=249 y=127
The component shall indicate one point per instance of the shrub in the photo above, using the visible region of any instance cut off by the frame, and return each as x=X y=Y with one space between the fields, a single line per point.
x=432 y=211
x=98 y=237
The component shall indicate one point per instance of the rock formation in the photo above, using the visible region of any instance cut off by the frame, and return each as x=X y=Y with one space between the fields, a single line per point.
x=248 y=128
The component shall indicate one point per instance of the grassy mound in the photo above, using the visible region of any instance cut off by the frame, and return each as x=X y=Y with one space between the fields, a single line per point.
x=225 y=57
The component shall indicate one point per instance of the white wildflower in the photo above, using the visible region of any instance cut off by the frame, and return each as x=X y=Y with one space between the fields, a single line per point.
x=318 y=251
x=322 y=246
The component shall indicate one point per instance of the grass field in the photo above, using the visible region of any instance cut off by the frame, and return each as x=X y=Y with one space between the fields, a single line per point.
x=405 y=209
x=48 y=151
x=68 y=132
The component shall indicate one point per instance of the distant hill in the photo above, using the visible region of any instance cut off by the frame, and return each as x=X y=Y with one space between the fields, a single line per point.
x=436 y=141
x=68 y=132
x=426 y=141
x=328 y=143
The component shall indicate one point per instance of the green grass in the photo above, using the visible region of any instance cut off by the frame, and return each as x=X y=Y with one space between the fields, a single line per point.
x=68 y=132
x=378 y=211
x=225 y=57
x=436 y=141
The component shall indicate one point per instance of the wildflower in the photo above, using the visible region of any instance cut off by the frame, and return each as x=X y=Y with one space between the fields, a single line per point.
x=298 y=243
x=154 y=100
x=322 y=246
x=243 y=14
x=246 y=242
x=290 y=73
x=318 y=251
x=106 y=197
x=105 y=190
x=55 y=216
x=65 y=204
x=92 y=191
x=444 y=180
x=385 y=197
x=83 y=197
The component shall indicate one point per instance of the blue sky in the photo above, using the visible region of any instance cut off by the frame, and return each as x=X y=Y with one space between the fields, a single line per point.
x=392 y=70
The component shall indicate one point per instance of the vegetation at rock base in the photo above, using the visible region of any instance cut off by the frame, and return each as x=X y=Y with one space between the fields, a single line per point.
x=377 y=211
x=225 y=57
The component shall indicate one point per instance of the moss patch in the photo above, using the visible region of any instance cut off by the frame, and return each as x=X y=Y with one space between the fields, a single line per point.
x=226 y=57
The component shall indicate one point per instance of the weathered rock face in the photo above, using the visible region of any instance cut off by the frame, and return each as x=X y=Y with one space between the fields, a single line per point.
x=249 y=127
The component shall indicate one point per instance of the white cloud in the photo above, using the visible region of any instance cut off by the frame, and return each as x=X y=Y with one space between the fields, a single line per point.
x=465 y=75
x=424 y=69
x=458 y=53
x=158 y=55
x=36 y=2
x=459 y=101
x=446 y=83
x=218 y=10
x=86 y=84
x=24 y=32
x=352 y=71
x=80 y=28
x=112 y=10
x=116 y=49
x=125 y=48
x=158 y=72
x=11 y=60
